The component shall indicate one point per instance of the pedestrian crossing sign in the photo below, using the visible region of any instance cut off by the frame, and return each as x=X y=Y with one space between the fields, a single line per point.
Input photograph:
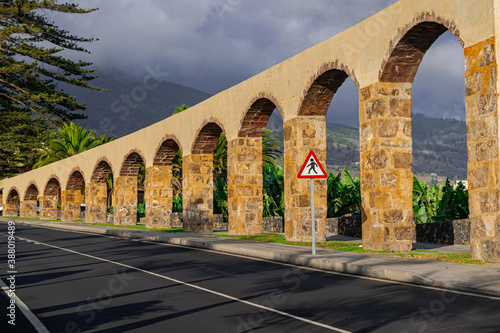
x=312 y=168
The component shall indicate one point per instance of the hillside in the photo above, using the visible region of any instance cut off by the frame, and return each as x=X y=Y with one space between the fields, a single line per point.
x=130 y=104
x=439 y=146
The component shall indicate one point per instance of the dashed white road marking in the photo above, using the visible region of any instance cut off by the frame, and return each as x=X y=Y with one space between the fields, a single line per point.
x=312 y=322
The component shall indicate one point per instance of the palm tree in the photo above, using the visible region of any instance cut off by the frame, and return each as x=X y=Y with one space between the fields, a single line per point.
x=72 y=139
x=270 y=149
x=220 y=157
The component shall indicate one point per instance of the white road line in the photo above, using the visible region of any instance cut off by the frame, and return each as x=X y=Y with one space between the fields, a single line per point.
x=331 y=328
x=40 y=328
x=458 y=292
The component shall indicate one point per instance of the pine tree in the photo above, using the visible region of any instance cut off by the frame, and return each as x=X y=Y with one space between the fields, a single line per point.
x=32 y=102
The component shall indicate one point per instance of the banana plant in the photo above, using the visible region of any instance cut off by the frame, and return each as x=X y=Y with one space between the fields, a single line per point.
x=273 y=186
x=343 y=194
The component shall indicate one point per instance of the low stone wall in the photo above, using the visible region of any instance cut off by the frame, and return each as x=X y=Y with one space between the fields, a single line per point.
x=177 y=220
x=272 y=224
x=347 y=225
x=219 y=223
x=447 y=232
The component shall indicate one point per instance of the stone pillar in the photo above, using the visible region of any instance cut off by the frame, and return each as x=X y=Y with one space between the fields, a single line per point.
x=244 y=186
x=483 y=146
x=158 y=196
x=96 y=203
x=125 y=200
x=28 y=209
x=70 y=205
x=48 y=207
x=386 y=166
x=10 y=209
x=197 y=193
x=303 y=134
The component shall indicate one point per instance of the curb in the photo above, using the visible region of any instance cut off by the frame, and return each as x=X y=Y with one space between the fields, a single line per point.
x=322 y=262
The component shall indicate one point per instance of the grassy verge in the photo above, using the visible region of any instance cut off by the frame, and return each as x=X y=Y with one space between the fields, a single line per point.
x=330 y=245
x=458 y=258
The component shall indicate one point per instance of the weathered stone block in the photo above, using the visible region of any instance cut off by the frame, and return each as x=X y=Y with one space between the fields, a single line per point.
x=197 y=199
x=298 y=143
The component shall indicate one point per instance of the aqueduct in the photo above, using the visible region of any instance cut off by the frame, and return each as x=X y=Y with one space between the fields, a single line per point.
x=381 y=55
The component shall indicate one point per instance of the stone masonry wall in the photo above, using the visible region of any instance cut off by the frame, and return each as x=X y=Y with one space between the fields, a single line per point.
x=483 y=145
x=447 y=232
x=70 y=205
x=197 y=197
x=219 y=223
x=158 y=196
x=10 y=209
x=28 y=209
x=272 y=224
x=125 y=200
x=301 y=135
x=386 y=166
x=96 y=203
x=347 y=225
x=244 y=178
x=48 y=207
x=176 y=220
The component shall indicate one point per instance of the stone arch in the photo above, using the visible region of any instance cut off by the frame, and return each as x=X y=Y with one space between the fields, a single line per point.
x=166 y=151
x=32 y=192
x=76 y=180
x=13 y=196
x=407 y=50
x=53 y=186
x=254 y=121
x=207 y=136
x=322 y=86
x=101 y=171
x=132 y=163
x=13 y=202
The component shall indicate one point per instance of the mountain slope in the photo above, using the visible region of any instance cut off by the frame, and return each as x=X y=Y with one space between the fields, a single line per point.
x=130 y=104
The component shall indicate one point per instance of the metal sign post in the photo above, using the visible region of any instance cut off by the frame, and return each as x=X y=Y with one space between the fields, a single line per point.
x=313 y=224
x=309 y=170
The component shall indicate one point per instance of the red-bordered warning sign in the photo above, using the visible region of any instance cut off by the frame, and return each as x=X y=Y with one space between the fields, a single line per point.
x=312 y=168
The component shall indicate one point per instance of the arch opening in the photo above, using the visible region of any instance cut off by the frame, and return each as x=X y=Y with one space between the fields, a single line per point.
x=99 y=193
x=73 y=198
x=163 y=186
x=50 y=202
x=12 y=203
x=204 y=178
x=31 y=193
x=407 y=54
x=30 y=202
x=392 y=155
x=207 y=139
x=255 y=176
x=320 y=93
x=128 y=203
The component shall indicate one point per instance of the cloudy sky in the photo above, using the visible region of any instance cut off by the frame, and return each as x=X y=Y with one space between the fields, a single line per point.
x=211 y=45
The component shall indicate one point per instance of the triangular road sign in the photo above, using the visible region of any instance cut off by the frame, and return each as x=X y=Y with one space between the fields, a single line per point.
x=312 y=168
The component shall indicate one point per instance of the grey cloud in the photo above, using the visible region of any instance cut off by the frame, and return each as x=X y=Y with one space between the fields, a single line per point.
x=214 y=44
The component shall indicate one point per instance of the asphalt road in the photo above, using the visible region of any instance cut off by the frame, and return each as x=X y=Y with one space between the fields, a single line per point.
x=76 y=282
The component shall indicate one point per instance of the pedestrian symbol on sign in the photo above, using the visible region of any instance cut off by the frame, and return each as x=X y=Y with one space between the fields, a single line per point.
x=312 y=168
